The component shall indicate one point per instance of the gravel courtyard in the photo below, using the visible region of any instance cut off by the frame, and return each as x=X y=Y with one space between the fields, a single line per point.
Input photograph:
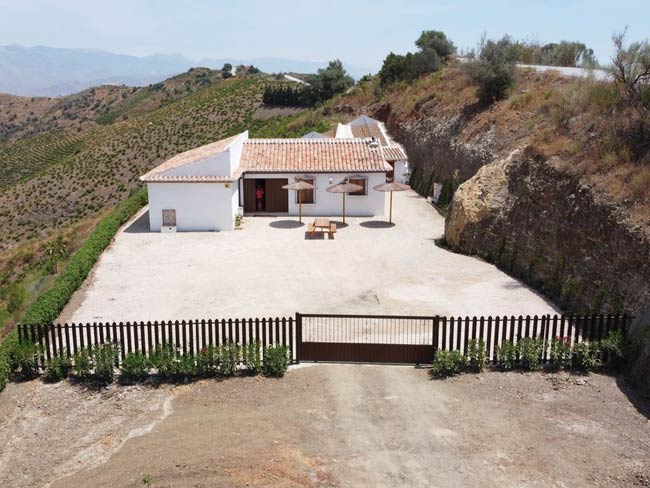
x=269 y=268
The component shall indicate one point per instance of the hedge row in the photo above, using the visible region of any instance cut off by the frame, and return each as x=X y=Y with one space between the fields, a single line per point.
x=47 y=307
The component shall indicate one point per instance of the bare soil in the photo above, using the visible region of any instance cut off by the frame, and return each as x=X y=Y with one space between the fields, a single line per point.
x=336 y=425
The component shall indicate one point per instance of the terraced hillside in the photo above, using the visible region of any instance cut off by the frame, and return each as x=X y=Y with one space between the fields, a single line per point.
x=78 y=175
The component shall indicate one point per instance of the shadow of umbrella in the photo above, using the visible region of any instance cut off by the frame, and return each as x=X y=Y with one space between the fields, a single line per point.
x=286 y=224
x=376 y=224
x=339 y=224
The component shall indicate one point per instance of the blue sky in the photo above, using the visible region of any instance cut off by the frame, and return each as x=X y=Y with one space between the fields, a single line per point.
x=360 y=32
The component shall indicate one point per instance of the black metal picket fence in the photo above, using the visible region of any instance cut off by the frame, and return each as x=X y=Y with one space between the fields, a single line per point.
x=325 y=337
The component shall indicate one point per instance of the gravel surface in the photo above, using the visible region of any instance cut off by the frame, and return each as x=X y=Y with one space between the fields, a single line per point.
x=351 y=425
x=270 y=269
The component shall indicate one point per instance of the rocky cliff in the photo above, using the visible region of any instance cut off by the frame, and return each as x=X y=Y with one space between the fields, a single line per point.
x=529 y=212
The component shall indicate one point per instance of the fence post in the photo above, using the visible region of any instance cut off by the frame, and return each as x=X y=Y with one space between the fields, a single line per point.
x=434 y=339
x=298 y=336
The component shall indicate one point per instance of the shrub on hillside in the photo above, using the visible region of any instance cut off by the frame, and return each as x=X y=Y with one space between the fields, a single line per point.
x=47 y=307
x=447 y=363
x=494 y=69
x=57 y=368
x=134 y=368
x=276 y=360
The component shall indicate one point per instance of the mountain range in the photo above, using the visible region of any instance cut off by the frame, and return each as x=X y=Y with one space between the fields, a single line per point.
x=47 y=71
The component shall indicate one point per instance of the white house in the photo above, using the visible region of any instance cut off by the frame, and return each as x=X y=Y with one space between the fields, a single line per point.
x=394 y=153
x=203 y=189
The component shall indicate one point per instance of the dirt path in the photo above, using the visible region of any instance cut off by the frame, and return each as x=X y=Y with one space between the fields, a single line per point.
x=352 y=425
x=50 y=431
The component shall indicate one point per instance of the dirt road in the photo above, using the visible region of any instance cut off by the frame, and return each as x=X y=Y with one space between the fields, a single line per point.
x=353 y=425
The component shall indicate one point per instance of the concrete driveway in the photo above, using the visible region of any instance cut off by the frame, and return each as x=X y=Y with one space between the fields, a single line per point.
x=269 y=268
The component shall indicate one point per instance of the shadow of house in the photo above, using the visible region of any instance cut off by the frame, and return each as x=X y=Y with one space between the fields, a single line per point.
x=139 y=225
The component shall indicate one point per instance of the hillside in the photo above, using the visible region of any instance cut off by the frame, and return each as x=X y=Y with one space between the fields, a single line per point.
x=545 y=187
x=57 y=183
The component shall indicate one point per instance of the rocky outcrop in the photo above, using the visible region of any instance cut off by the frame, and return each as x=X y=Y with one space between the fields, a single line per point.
x=549 y=229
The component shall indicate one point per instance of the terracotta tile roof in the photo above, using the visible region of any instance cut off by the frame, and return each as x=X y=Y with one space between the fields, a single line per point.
x=189 y=157
x=311 y=156
x=393 y=153
x=369 y=131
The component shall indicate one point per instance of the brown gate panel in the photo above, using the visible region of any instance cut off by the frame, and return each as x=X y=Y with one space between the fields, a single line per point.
x=366 y=353
x=277 y=198
x=249 y=195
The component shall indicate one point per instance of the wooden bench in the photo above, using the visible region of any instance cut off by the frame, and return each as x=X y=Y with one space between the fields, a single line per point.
x=311 y=228
x=332 y=230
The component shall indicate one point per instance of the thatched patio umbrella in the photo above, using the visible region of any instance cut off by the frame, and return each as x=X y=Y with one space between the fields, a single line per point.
x=343 y=188
x=391 y=187
x=298 y=186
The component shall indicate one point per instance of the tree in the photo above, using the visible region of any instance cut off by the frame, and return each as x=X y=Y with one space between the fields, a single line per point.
x=631 y=72
x=494 y=69
x=436 y=41
x=331 y=80
x=425 y=61
x=396 y=67
x=226 y=71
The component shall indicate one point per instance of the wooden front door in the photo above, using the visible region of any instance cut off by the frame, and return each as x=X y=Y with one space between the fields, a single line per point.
x=249 y=195
x=277 y=198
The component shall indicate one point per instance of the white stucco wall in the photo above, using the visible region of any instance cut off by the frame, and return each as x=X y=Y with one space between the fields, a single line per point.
x=199 y=206
x=400 y=169
x=330 y=204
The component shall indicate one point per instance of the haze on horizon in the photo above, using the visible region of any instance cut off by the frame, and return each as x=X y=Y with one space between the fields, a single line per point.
x=358 y=32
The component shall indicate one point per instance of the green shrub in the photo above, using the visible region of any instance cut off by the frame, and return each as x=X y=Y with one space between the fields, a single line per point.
x=276 y=361
x=15 y=298
x=229 y=355
x=207 y=361
x=615 y=347
x=447 y=363
x=585 y=356
x=476 y=355
x=186 y=368
x=560 y=353
x=530 y=353
x=57 y=368
x=82 y=363
x=507 y=355
x=25 y=358
x=252 y=356
x=5 y=370
x=135 y=367
x=494 y=69
x=47 y=307
x=105 y=357
x=164 y=360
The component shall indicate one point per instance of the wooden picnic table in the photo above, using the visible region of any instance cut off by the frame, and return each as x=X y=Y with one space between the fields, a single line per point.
x=322 y=224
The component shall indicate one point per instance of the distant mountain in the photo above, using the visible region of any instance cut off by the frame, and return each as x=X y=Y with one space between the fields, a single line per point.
x=47 y=71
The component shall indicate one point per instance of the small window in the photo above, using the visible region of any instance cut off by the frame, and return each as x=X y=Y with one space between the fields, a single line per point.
x=361 y=182
x=169 y=218
x=306 y=196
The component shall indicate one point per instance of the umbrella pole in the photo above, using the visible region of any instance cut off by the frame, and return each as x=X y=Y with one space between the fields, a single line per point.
x=344 y=208
x=299 y=206
x=390 y=211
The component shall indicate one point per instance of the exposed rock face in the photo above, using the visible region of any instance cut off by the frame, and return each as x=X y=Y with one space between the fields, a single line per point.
x=546 y=227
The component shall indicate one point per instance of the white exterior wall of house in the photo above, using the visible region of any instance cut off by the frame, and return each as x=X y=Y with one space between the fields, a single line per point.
x=199 y=206
x=330 y=204
x=400 y=170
